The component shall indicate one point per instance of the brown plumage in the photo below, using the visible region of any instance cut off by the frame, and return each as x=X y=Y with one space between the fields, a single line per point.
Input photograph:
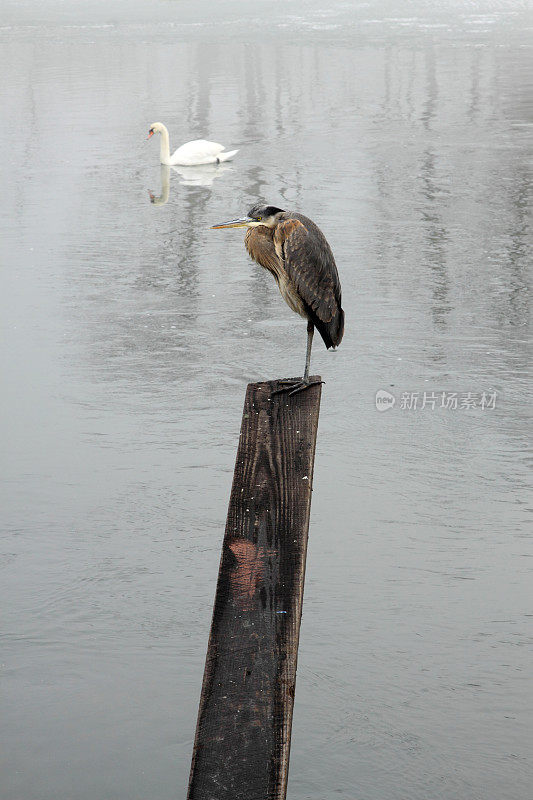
x=296 y=252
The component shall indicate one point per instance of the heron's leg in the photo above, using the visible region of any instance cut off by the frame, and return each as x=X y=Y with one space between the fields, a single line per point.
x=292 y=386
x=310 y=332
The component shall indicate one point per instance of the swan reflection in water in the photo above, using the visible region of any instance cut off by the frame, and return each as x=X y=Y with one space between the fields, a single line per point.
x=203 y=175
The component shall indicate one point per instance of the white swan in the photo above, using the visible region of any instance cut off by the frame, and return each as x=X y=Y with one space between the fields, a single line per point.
x=192 y=153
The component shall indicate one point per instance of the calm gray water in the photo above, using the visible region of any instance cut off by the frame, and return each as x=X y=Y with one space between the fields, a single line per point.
x=130 y=331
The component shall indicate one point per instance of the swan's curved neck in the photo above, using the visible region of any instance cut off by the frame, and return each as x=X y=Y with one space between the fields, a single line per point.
x=165 y=146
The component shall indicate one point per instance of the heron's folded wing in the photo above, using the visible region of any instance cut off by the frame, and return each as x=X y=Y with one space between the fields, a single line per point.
x=309 y=264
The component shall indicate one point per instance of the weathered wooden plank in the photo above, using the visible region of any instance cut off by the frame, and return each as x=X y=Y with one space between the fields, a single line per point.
x=241 y=749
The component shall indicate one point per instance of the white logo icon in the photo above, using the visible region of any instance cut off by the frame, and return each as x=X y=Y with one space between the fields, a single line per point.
x=384 y=400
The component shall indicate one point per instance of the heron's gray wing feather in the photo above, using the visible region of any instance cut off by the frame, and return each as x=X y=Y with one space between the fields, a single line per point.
x=310 y=265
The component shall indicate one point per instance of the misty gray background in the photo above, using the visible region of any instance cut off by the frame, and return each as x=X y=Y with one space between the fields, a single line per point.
x=130 y=331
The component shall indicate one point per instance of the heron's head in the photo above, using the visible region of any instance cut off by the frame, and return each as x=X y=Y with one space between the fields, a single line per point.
x=155 y=127
x=257 y=215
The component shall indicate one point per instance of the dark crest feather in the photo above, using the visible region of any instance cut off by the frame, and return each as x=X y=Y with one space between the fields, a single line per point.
x=263 y=211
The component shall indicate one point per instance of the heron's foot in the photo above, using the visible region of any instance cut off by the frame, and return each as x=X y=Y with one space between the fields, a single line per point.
x=294 y=385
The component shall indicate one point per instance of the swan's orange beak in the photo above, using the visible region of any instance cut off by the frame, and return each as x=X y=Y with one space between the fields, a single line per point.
x=150 y=133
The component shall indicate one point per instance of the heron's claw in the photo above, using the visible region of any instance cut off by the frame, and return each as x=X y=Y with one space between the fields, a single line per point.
x=293 y=386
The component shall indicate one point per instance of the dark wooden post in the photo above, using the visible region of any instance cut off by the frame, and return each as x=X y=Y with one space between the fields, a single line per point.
x=241 y=749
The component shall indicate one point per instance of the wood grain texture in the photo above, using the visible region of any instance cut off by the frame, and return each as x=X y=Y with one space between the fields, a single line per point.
x=241 y=749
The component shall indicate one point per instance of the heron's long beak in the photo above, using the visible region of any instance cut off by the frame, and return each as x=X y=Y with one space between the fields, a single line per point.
x=234 y=223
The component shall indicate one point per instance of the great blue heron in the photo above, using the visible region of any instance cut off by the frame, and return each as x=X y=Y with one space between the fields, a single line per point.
x=296 y=252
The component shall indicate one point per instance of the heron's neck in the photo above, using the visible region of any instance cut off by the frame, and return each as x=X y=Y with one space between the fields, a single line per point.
x=165 y=144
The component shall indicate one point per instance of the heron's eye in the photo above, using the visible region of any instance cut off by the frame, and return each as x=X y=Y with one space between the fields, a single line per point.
x=259 y=219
